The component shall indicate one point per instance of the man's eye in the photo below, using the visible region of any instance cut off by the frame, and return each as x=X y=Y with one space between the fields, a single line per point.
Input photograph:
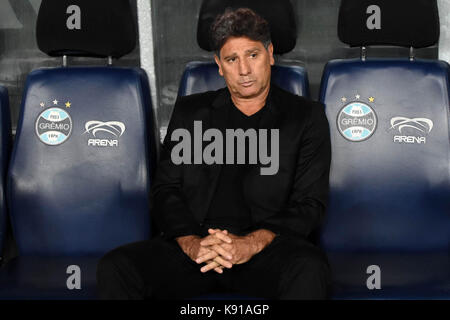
x=231 y=59
x=253 y=55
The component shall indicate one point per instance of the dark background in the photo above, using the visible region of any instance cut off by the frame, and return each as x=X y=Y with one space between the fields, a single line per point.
x=19 y=54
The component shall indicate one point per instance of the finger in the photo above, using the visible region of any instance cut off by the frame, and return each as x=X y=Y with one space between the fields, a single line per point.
x=219 y=269
x=224 y=253
x=213 y=231
x=210 y=266
x=202 y=251
x=223 y=262
x=218 y=231
x=209 y=256
x=222 y=236
x=210 y=241
x=227 y=247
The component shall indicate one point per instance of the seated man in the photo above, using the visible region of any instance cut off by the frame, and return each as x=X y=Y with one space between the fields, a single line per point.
x=231 y=224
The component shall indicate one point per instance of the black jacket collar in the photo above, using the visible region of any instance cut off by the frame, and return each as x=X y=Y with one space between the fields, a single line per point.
x=223 y=98
x=222 y=104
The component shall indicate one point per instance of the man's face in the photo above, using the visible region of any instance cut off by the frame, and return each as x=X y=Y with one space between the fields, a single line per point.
x=245 y=65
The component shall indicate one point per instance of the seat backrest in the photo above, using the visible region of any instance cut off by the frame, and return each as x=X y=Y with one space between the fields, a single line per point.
x=203 y=76
x=389 y=122
x=79 y=178
x=5 y=146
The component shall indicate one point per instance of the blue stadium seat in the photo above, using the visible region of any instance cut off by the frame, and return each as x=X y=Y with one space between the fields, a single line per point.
x=390 y=172
x=5 y=146
x=81 y=166
x=202 y=76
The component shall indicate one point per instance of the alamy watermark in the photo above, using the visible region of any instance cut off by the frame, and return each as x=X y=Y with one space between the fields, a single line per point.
x=74 y=280
x=213 y=153
x=374 y=280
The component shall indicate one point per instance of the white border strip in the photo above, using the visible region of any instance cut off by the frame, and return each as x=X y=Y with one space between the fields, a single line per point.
x=444 y=40
x=146 y=50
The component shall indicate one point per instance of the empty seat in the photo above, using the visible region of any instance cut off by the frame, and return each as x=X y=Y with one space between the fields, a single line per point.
x=202 y=76
x=387 y=230
x=82 y=162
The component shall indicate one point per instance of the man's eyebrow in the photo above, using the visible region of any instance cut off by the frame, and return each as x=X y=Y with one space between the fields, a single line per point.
x=233 y=55
x=252 y=50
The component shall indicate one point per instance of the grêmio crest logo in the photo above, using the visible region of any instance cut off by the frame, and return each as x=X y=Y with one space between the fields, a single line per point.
x=53 y=126
x=356 y=121
x=104 y=134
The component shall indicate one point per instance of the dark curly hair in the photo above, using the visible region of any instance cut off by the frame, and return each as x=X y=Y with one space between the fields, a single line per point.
x=242 y=22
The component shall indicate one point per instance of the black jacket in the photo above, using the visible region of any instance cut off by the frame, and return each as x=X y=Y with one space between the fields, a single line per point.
x=293 y=201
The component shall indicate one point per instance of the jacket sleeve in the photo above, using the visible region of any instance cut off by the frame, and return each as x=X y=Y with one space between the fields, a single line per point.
x=308 y=199
x=170 y=210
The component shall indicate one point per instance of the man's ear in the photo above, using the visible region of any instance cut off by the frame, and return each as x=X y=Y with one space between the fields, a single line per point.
x=270 y=49
x=216 y=58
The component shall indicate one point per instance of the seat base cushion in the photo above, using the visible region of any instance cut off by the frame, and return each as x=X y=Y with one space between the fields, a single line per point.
x=47 y=278
x=402 y=275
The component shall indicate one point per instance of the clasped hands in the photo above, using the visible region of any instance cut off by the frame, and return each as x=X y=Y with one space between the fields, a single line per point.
x=220 y=249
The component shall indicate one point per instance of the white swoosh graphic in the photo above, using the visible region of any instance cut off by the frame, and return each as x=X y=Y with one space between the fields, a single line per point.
x=416 y=123
x=115 y=128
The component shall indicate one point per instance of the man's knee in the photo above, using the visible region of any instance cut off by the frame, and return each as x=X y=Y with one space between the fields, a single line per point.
x=131 y=257
x=318 y=265
x=313 y=262
x=108 y=269
x=116 y=278
x=107 y=266
x=307 y=276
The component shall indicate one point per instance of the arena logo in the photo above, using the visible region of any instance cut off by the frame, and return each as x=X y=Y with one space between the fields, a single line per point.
x=357 y=121
x=413 y=131
x=53 y=126
x=110 y=128
x=213 y=153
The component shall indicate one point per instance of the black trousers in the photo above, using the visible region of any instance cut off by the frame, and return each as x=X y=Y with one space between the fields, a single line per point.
x=158 y=269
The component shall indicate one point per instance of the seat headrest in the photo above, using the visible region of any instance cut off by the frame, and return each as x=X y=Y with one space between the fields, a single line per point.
x=405 y=23
x=279 y=14
x=99 y=28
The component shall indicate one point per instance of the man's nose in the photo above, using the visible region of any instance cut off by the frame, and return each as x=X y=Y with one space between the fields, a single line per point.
x=244 y=67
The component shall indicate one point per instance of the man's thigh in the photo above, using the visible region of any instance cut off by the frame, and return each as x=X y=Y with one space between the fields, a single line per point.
x=162 y=269
x=270 y=273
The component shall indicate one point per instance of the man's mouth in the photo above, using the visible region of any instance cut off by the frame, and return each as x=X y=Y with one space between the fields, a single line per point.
x=247 y=83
